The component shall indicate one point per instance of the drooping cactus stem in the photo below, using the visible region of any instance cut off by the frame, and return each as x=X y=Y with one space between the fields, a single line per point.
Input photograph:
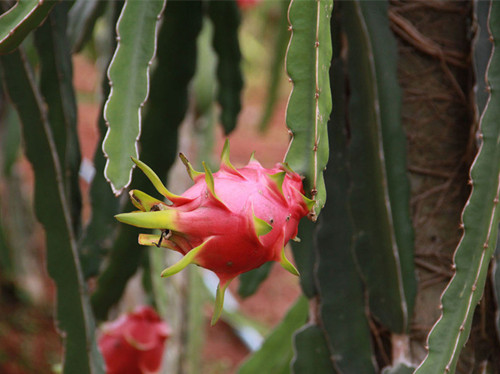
x=193 y=174
x=189 y=258
x=286 y=264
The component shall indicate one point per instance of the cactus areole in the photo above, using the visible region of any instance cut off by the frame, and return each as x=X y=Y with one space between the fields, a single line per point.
x=230 y=222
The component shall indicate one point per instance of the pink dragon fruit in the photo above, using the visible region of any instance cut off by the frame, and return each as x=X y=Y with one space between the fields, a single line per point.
x=134 y=343
x=229 y=222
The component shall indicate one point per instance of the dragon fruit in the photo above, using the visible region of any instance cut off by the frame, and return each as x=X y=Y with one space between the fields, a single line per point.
x=134 y=343
x=230 y=222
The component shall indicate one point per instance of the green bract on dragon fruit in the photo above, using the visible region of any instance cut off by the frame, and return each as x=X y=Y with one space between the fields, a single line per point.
x=229 y=222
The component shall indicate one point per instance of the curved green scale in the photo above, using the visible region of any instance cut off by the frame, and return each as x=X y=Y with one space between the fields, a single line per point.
x=309 y=106
x=480 y=217
x=144 y=202
x=219 y=301
x=156 y=181
x=128 y=75
x=20 y=20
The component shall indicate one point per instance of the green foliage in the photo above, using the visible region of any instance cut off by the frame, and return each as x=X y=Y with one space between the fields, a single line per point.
x=356 y=263
x=82 y=18
x=310 y=101
x=480 y=223
x=311 y=352
x=129 y=80
x=340 y=286
x=20 y=20
x=251 y=280
x=276 y=69
x=56 y=86
x=380 y=191
x=225 y=18
x=52 y=208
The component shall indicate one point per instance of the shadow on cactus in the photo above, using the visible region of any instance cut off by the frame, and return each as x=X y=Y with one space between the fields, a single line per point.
x=230 y=222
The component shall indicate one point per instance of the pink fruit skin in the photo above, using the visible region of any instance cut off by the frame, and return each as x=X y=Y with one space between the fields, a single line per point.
x=234 y=247
x=134 y=343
